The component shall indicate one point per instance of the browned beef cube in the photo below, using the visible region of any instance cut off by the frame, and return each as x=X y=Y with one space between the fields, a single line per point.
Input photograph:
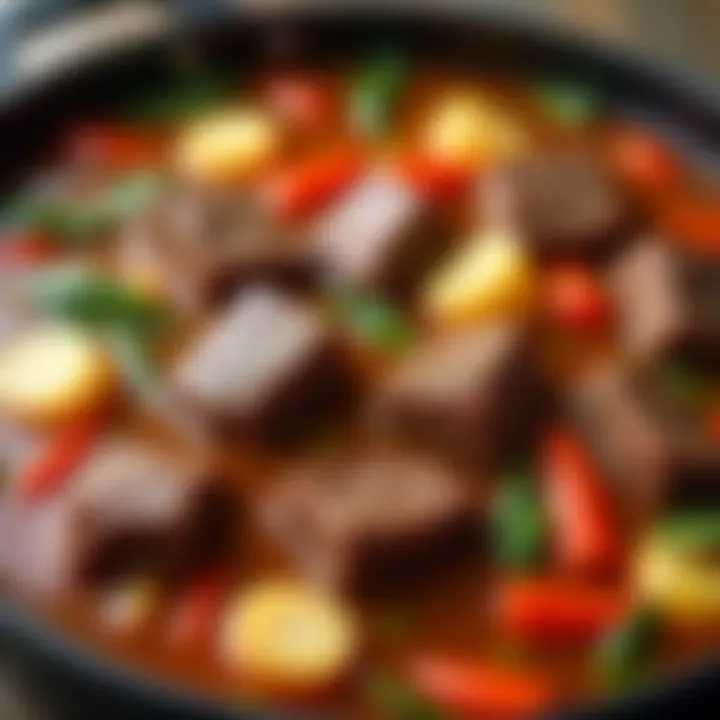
x=475 y=394
x=268 y=368
x=132 y=506
x=380 y=238
x=564 y=204
x=652 y=461
x=207 y=244
x=374 y=525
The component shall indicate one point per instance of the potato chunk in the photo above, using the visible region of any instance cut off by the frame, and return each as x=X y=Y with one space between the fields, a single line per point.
x=288 y=638
x=490 y=277
x=466 y=128
x=227 y=147
x=53 y=375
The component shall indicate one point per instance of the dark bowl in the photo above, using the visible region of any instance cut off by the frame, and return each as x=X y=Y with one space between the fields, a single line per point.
x=685 y=110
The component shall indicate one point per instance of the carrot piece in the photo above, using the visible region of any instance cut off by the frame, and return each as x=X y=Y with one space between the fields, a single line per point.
x=574 y=299
x=195 y=616
x=25 y=249
x=556 y=611
x=586 y=529
x=57 y=461
x=471 y=689
x=694 y=222
x=300 y=190
x=113 y=147
x=643 y=161
x=434 y=178
x=305 y=102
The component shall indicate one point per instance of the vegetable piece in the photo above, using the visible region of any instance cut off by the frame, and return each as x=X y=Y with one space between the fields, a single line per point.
x=375 y=321
x=575 y=300
x=471 y=689
x=54 y=375
x=569 y=103
x=695 y=532
x=24 y=248
x=397 y=700
x=115 y=148
x=375 y=93
x=290 y=638
x=131 y=194
x=304 y=102
x=712 y=421
x=228 y=146
x=59 y=459
x=491 y=276
x=195 y=617
x=302 y=189
x=683 y=587
x=434 y=178
x=624 y=654
x=556 y=611
x=467 y=130
x=519 y=523
x=693 y=222
x=587 y=533
x=643 y=161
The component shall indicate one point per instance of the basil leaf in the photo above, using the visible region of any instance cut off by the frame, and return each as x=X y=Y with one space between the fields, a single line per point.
x=131 y=195
x=376 y=91
x=519 y=523
x=698 y=531
x=399 y=701
x=625 y=654
x=569 y=103
x=375 y=321
x=133 y=356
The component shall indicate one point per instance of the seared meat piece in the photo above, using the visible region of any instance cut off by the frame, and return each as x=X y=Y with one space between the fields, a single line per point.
x=564 y=204
x=380 y=238
x=651 y=459
x=474 y=393
x=205 y=244
x=668 y=302
x=134 y=507
x=268 y=368
x=374 y=525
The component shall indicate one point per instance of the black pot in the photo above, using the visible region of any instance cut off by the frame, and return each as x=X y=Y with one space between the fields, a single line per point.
x=452 y=34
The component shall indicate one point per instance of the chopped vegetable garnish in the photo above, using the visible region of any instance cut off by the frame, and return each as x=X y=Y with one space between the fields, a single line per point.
x=25 y=248
x=569 y=103
x=376 y=92
x=693 y=222
x=435 y=179
x=397 y=700
x=626 y=652
x=693 y=532
x=519 y=523
x=375 y=321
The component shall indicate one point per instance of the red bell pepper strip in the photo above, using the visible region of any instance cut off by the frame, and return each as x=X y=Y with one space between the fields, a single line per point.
x=575 y=300
x=557 y=611
x=472 y=689
x=300 y=190
x=434 y=178
x=25 y=249
x=194 y=618
x=586 y=528
x=57 y=461
x=694 y=222
x=304 y=102
x=114 y=148
x=644 y=162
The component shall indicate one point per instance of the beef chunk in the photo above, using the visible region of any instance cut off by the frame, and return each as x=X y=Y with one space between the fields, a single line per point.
x=268 y=368
x=374 y=525
x=381 y=238
x=667 y=302
x=475 y=394
x=564 y=204
x=205 y=244
x=652 y=460
x=135 y=507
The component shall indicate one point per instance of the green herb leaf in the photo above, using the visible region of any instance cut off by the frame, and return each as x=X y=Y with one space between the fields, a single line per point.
x=625 y=654
x=375 y=321
x=519 y=523
x=132 y=194
x=397 y=700
x=569 y=103
x=133 y=356
x=696 y=532
x=376 y=91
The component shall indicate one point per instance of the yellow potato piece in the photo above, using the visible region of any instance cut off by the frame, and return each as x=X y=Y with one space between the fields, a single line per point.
x=466 y=128
x=228 y=146
x=52 y=375
x=684 y=589
x=491 y=276
x=285 y=636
